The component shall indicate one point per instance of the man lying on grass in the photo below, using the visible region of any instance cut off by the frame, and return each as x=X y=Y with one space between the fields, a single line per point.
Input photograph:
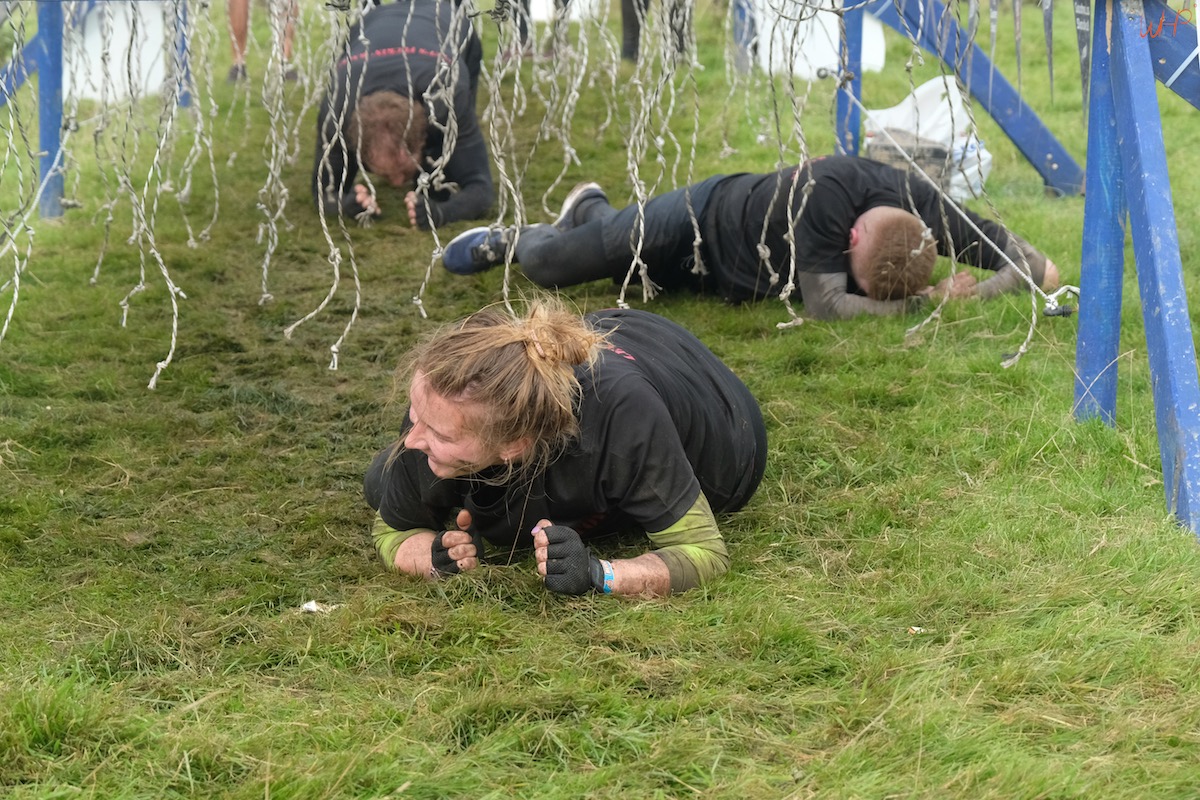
x=865 y=240
x=554 y=430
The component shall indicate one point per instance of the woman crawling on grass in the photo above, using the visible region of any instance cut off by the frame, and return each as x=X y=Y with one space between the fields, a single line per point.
x=554 y=430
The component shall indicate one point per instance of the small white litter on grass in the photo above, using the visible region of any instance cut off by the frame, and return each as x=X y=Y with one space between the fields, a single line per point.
x=313 y=607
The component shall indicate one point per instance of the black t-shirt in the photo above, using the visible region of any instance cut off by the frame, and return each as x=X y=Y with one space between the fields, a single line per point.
x=843 y=188
x=661 y=419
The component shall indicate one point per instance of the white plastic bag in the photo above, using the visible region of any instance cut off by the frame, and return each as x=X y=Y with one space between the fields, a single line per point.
x=971 y=163
x=935 y=111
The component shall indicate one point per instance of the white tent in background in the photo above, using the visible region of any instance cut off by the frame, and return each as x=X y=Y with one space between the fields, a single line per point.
x=789 y=34
x=543 y=10
x=133 y=35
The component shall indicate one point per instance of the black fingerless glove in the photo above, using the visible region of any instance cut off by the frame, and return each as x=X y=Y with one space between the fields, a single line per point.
x=439 y=554
x=351 y=208
x=570 y=566
x=423 y=216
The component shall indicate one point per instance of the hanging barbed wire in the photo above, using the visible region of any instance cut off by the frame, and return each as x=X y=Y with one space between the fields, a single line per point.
x=572 y=55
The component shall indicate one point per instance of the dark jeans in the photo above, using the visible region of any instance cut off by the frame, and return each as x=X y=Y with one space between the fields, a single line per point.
x=603 y=245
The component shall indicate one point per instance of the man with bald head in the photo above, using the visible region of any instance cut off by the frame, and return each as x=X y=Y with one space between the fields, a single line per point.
x=863 y=237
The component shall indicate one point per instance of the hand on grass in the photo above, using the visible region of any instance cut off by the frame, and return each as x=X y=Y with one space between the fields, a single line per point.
x=455 y=551
x=410 y=200
x=364 y=198
x=566 y=565
x=955 y=287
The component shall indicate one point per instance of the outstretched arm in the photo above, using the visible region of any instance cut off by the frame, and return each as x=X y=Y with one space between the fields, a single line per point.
x=825 y=297
x=980 y=251
x=1029 y=261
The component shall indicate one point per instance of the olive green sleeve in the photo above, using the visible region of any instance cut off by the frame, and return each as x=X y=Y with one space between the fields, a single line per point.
x=692 y=548
x=388 y=540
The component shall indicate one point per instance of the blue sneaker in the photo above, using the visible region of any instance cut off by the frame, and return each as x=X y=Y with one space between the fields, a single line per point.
x=476 y=250
x=588 y=190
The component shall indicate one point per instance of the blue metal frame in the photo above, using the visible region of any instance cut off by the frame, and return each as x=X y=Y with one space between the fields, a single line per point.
x=938 y=32
x=14 y=74
x=1131 y=146
x=43 y=54
x=848 y=122
x=184 y=79
x=48 y=57
x=1102 y=261
x=1174 y=54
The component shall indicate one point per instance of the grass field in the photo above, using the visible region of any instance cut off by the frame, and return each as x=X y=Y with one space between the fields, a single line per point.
x=945 y=587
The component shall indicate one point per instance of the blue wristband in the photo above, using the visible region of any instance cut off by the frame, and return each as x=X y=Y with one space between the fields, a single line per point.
x=608 y=576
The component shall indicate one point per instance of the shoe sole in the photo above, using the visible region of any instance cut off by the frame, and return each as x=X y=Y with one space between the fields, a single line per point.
x=567 y=212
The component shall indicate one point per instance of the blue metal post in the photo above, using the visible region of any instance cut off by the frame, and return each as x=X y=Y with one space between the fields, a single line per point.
x=50 y=115
x=182 y=68
x=1174 y=52
x=744 y=35
x=1159 y=265
x=851 y=82
x=1103 y=255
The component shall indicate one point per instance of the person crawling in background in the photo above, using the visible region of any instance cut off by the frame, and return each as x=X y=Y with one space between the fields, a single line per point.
x=865 y=240
x=388 y=111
